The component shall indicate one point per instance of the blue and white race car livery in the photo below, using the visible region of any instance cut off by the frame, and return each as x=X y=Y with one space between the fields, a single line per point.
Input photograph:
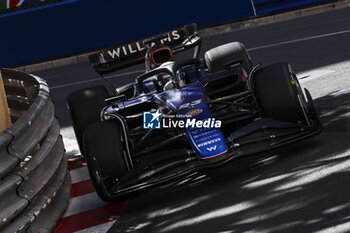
x=183 y=115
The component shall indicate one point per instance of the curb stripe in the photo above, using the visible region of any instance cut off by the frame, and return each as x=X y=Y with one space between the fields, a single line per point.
x=84 y=203
x=79 y=175
x=81 y=188
x=99 y=228
x=86 y=213
x=91 y=218
x=76 y=162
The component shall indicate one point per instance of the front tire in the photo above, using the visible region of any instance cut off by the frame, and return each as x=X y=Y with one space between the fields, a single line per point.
x=105 y=156
x=85 y=106
x=279 y=94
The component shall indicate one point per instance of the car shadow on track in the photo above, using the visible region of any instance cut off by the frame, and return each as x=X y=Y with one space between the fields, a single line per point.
x=306 y=190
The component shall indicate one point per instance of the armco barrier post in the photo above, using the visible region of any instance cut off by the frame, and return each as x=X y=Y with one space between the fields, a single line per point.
x=5 y=120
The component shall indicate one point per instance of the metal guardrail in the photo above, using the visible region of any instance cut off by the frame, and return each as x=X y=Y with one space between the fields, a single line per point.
x=34 y=182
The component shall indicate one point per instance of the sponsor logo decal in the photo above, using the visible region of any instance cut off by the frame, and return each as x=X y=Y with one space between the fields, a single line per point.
x=194 y=112
x=138 y=47
x=191 y=104
x=209 y=142
x=6 y=4
x=211 y=148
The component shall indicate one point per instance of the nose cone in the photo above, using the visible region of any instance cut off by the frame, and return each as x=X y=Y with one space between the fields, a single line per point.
x=207 y=142
x=206 y=139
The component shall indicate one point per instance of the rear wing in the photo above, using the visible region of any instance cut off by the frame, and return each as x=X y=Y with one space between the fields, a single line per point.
x=133 y=53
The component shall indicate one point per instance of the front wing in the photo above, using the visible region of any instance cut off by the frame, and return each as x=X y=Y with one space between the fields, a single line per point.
x=259 y=136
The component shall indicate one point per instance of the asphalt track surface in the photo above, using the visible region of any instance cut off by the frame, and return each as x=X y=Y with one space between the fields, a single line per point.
x=305 y=188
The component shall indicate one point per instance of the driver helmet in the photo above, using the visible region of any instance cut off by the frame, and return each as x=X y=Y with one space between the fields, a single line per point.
x=156 y=56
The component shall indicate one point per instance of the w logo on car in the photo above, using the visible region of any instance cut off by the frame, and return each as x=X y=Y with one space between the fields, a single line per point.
x=211 y=148
x=151 y=120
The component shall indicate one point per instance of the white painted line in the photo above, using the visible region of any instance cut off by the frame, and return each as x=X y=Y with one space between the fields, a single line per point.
x=299 y=40
x=79 y=175
x=95 y=79
x=70 y=142
x=250 y=49
x=68 y=132
x=99 y=228
x=71 y=146
x=84 y=203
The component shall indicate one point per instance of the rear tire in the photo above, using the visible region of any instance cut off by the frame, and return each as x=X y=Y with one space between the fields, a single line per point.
x=104 y=152
x=85 y=106
x=222 y=57
x=279 y=94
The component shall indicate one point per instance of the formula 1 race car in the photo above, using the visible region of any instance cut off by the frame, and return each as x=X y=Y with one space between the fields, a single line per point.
x=184 y=115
